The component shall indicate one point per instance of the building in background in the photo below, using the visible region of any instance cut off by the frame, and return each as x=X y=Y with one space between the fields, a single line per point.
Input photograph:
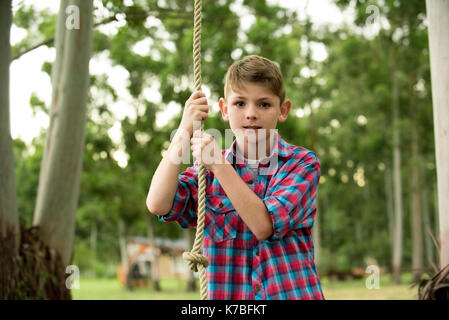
x=141 y=256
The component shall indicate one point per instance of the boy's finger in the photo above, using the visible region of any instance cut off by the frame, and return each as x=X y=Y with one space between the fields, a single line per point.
x=202 y=115
x=195 y=140
x=200 y=101
x=193 y=96
x=199 y=108
x=197 y=94
x=203 y=107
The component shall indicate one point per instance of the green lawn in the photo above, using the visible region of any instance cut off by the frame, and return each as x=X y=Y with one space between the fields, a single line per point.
x=111 y=289
x=174 y=289
x=357 y=290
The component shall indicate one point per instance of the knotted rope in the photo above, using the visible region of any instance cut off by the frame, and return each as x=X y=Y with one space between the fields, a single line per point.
x=196 y=260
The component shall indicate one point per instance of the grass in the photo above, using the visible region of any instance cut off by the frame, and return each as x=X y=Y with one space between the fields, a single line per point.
x=174 y=289
x=111 y=289
x=357 y=289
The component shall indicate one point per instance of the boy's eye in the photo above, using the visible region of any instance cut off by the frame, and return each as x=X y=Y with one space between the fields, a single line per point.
x=239 y=104
x=265 y=105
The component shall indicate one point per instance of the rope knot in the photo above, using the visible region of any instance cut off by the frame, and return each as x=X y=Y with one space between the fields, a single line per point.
x=194 y=259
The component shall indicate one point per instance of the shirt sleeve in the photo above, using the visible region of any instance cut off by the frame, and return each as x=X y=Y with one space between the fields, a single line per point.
x=185 y=202
x=292 y=199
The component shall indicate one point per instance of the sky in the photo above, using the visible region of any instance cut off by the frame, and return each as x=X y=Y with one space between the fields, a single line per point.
x=26 y=76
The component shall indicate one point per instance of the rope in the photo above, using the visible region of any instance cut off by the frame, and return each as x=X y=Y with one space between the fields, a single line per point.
x=196 y=260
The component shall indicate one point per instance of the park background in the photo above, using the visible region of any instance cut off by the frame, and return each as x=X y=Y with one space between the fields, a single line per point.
x=358 y=76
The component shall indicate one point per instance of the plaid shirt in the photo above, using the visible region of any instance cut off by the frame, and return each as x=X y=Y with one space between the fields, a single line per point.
x=241 y=266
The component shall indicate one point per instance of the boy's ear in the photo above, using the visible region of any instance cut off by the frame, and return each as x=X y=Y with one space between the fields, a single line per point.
x=224 y=109
x=285 y=109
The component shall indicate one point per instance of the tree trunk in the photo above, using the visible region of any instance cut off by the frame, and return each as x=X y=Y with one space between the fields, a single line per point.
x=55 y=78
x=28 y=268
x=427 y=229
x=397 y=247
x=417 y=225
x=312 y=127
x=59 y=181
x=390 y=205
x=438 y=17
x=436 y=227
x=156 y=251
x=9 y=217
x=93 y=244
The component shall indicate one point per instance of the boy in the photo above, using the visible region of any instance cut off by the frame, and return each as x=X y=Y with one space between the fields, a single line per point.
x=259 y=216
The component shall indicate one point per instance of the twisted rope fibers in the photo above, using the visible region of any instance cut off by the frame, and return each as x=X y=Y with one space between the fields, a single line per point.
x=195 y=259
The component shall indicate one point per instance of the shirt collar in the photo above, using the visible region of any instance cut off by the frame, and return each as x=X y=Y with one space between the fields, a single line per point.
x=280 y=148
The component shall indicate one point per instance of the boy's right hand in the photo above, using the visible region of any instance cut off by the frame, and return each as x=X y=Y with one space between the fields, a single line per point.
x=196 y=109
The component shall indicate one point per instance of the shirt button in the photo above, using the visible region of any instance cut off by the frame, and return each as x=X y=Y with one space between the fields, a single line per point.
x=250 y=181
x=257 y=287
x=220 y=205
x=257 y=253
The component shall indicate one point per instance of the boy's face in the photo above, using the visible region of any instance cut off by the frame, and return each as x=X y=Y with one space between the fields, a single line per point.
x=253 y=111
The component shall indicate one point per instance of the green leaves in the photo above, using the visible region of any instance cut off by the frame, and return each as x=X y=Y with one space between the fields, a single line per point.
x=40 y=26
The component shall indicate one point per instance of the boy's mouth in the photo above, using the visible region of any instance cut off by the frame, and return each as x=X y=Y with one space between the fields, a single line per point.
x=252 y=127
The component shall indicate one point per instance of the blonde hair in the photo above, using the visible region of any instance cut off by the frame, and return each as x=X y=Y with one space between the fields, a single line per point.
x=255 y=69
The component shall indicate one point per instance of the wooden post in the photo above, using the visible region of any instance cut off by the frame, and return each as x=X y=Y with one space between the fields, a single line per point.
x=438 y=20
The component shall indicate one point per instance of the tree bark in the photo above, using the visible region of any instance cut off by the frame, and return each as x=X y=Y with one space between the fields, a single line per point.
x=55 y=79
x=436 y=216
x=430 y=255
x=438 y=19
x=312 y=129
x=390 y=205
x=397 y=246
x=93 y=244
x=417 y=225
x=59 y=181
x=9 y=217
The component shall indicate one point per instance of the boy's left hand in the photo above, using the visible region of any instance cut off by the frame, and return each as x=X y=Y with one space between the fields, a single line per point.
x=206 y=150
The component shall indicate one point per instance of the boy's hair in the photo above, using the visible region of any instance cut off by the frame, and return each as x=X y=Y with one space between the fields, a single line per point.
x=255 y=69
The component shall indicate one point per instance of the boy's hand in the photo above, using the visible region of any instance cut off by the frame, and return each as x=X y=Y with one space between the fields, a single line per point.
x=206 y=150
x=196 y=109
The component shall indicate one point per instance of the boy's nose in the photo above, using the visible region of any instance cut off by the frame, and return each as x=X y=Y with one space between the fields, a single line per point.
x=251 y=113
